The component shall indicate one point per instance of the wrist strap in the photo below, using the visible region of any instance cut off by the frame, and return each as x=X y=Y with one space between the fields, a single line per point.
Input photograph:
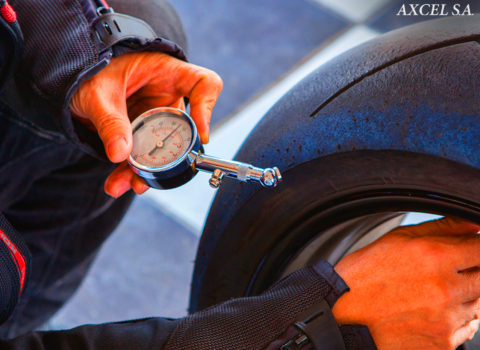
x=111 y=28
x=357 y=337
x=319 y=328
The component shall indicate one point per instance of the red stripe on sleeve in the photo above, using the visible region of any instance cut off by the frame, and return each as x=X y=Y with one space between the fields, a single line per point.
x=105 y=4
x=8 y=13
x=19 y=260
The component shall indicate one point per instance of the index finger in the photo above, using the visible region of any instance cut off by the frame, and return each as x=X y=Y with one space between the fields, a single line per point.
x=203 y=97
x=445 y=226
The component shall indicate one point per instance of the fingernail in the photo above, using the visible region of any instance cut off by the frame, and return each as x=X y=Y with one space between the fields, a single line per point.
x=142 y=189
x=205 y=136
x=116 y=147
x=121 y=189
x=145 y=187
x=107 y=188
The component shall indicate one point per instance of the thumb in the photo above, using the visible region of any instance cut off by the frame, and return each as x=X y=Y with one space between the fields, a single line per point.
x=115 y=132
x=445 y=226
x=108 y=113
x=102 y=101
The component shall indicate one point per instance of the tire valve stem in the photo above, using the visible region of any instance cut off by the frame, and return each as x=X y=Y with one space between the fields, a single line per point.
x=216 y=179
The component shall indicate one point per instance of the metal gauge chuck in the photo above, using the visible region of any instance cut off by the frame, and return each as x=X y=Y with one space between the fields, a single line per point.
x=167 y=153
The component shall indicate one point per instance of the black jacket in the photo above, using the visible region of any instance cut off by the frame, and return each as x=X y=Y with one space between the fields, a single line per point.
x=60 y=44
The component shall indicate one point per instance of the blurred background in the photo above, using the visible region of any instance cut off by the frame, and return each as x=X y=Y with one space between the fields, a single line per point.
x=260 y=48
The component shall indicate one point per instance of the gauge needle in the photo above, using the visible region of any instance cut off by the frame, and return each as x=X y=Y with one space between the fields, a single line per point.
x=159 y=144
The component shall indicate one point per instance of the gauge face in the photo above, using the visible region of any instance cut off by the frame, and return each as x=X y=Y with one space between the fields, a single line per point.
x=160 y=139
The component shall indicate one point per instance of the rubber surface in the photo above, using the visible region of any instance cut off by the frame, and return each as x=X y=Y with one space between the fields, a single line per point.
x=411 y=90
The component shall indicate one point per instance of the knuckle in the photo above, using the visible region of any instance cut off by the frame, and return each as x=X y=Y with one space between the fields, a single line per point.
x=111 y=123
x=446 y=336
x=450 y=343
x=432 y=252
x=209 y=103
x=446 y=296
x=445 y=339
x=217 y=80
x=203 y=74
x=472 y=333
x=210 y=76
x=473 y=328
x=471 y=288
x=442 y=325
x=443 y=296
x=476 y=306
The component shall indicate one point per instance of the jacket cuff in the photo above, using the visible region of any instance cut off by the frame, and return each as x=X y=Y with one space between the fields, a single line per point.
x=316 y=327
x=253 y=322
x=337 y=284
x=357 y=337
x=114 y=34
x=269 y=320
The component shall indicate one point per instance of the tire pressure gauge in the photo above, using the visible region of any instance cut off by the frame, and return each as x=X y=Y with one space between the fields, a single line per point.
x=167 y=153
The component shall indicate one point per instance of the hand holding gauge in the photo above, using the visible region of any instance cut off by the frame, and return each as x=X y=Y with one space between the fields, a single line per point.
x=167 y=153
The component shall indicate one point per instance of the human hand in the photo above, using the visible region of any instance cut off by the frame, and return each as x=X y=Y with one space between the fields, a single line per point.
x=132 y=84
x=417 y=287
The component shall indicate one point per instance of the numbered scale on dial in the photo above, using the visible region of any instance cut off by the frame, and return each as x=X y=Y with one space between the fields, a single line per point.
x=167 y=153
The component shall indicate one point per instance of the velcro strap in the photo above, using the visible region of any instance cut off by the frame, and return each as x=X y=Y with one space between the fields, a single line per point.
x=111 y=28
x=321 y=328
x=357 y=337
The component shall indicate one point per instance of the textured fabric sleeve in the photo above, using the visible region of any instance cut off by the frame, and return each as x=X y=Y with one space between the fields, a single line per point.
x=61 y=50
x=10 y=41
x=258 y=322
x=144 y=334
x=15 y=263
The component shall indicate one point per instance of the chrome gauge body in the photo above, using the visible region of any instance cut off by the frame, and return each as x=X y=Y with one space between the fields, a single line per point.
x=167 y=153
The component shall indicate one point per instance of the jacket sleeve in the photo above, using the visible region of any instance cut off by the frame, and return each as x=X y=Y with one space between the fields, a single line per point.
x=66 y=42
x=295 y=309
x=269 y=321
x=10 y=41
x=15 y=261
x=149 y=333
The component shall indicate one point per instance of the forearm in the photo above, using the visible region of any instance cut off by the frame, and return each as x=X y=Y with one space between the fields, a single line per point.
x=143 y=334
x=263 y=322
x=61 y=43
x=269 y=320
x=61 y=49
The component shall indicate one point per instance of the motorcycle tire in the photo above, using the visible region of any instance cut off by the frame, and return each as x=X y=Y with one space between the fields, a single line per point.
x=389 y=127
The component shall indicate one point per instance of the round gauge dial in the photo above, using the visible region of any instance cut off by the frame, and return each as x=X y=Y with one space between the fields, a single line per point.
x=160 y=139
